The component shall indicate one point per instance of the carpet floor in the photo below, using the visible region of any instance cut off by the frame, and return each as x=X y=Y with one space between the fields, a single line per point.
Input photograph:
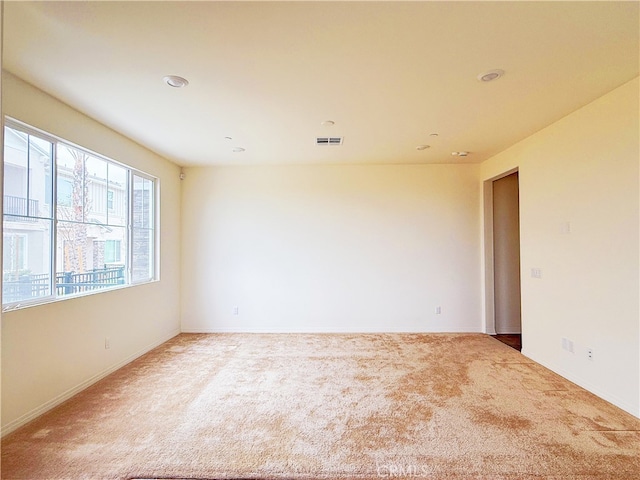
x=294 y=406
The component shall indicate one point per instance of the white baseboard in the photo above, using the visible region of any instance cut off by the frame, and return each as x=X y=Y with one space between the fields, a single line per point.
x=329 y=332
x=36 y=412
x=613 y=399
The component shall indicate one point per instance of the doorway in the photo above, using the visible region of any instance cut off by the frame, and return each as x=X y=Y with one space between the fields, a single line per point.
x=506 y=260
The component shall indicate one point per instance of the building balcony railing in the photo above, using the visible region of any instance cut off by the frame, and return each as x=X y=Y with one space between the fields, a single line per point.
x=17 y=288
x=20 y=207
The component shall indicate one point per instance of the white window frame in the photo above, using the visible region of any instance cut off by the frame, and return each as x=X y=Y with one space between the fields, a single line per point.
x=154 y=259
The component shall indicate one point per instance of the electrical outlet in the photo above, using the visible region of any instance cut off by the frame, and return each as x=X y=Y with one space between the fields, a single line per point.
x=236 y=310
x=438 y=310
x=536 y=273
x=107 y=343
x=590 y=353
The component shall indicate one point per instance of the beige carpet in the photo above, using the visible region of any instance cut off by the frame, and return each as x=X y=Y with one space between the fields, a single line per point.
x=329 y=407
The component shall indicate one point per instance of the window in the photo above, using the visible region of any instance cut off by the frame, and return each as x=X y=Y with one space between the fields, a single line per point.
x=110 y=199
x=142 y=228
x=112 y=251
x=74 y=221
x=14 y=254
x=65 y=191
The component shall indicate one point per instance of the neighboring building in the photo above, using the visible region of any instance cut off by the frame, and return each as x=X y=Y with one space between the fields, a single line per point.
x=26 y=238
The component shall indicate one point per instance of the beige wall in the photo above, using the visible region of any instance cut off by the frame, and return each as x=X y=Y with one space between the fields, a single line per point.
x=582 y=171
x=51 y=351
x=331 y=249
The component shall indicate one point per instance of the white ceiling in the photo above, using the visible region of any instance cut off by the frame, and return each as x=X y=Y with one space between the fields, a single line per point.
x=268 y=73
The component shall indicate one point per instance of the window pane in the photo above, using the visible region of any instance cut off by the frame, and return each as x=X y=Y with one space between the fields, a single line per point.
x=15 y=171
x=71 y=171
x=96 y=181
x=40 y=155
x=142 y=255
x=118 y=207
x=64 y=193
x=142 y=252
x=89 y=257
x=143 y=197
x=26 y=259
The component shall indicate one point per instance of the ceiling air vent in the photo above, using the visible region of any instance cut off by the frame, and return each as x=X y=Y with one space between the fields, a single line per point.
x=329 y=140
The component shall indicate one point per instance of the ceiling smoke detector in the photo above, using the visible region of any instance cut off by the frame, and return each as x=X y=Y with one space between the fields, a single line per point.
x=491 y=75
x=175 y=81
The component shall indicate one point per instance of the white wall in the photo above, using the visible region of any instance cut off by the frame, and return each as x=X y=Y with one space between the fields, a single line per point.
x=331 y=249
x=583 y=169
x=51 y=351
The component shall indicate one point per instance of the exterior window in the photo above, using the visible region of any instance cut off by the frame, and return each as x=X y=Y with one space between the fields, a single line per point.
x=14 y=254
x=97 y=234
x=110 y=199
x=112 y=251
x=65 y=192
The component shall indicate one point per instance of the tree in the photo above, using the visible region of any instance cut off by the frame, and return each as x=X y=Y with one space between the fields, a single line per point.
x=74 y=231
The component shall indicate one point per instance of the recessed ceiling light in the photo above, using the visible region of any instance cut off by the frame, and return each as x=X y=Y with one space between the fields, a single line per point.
x=238 y=150
x=422 y=147
x=433 y=134
x=175 y=81
x=228 y=138
x=328 y=123
x=490 y=75
x=459 y=154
